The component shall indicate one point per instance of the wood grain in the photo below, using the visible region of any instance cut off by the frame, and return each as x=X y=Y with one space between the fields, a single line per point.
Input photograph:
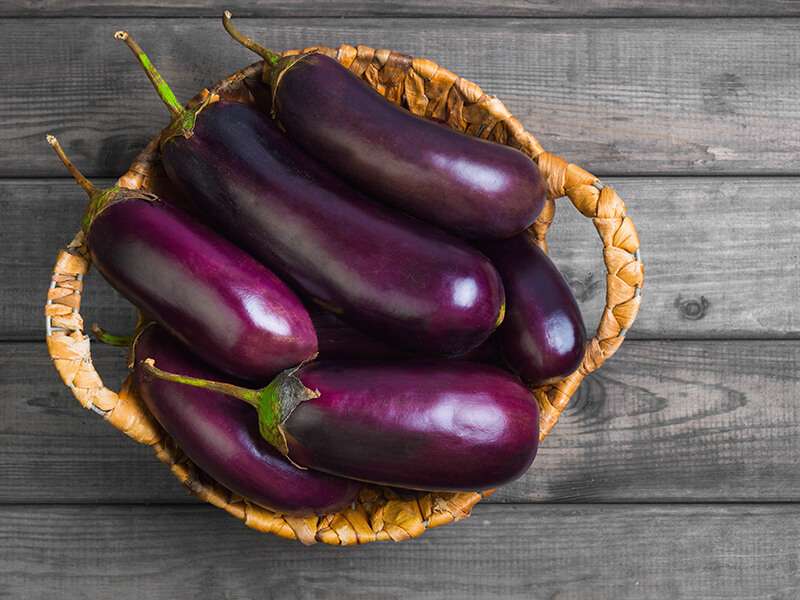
x=564 y=552
x=619 y=96
x=721 y=257
x=382 y=8
x=662 y=421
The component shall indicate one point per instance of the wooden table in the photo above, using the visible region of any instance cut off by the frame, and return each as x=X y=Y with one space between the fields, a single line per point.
x=674 y=473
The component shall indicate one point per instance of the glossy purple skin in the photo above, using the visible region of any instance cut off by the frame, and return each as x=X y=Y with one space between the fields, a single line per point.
x=473 y=187
x=220 y=435
x=434 y=426
x=542 y=337
x=339 y=341
x=226 y=307
x=385 y=273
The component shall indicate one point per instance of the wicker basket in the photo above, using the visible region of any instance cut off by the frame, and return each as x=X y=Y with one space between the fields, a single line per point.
x=427 y=89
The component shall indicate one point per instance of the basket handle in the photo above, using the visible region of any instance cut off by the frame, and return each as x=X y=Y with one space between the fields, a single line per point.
x=624 y=272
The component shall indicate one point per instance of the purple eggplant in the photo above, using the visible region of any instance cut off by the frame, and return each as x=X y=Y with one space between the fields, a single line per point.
x=385 y=273
x=338 y=341
x=542 y=337
x=220 y=435
x=434 y=426
x=471 y=186
x=226 y=307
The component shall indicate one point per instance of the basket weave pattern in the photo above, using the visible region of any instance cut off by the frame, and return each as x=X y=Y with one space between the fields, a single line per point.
x=429 y=90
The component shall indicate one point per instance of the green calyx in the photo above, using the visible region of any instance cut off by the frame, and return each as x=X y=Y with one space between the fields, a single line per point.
x=274 y=402
x=183 y=124
x=97 y=203
x=277 y=73
x=183 y=119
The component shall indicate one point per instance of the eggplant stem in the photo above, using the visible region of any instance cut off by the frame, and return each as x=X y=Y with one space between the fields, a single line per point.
x=118 y=341
x=87 y=185
x=268 y=55
x=236 y=391
x=164 y=91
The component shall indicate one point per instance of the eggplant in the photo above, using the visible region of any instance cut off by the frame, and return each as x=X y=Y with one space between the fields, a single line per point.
x=441 y=426
x=338 y=341
x=220 y=435
x=542 y=338
x=226 y=307
x=474 y=187
x=385 y=273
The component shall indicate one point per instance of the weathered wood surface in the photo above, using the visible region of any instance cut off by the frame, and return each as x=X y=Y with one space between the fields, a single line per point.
x=617 y=505
x=662 y=421
x=619 y=96
x=720 y=256
x=414 y=8
x=567 y=552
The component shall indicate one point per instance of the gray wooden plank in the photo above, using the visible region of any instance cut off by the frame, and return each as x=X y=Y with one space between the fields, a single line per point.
x=661 y=422
x=373 y=8
x=565 y=552
x=720 y=256
x=619 y=96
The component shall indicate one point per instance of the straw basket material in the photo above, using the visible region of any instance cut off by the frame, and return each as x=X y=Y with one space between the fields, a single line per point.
x=426 y=89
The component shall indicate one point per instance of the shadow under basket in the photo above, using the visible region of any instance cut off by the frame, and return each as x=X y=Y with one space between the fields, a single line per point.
x=426 y=89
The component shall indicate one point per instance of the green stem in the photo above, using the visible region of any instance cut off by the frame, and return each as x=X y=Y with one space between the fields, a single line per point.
x=268 y=55
x=248 y=395
x=119 y=341
x=164 y=91
x=98 y=199
x=87 y=185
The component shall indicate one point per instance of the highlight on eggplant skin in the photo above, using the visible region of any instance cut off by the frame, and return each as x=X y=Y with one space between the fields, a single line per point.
x=386 y=273
x=471 y=186
x=438 y=426
x=543 y=337
x=229 y=309
x=220 y=435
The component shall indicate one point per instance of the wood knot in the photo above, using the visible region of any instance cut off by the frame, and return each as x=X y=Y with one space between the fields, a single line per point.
x=585 y=288
x=692 y=309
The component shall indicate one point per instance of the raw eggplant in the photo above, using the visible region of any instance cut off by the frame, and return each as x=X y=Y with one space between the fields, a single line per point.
x=226 y=307
x=471 y=186
x=542 y=337
x=449 y=425
x=338 y=341
x=385 y=273
x=220 y=435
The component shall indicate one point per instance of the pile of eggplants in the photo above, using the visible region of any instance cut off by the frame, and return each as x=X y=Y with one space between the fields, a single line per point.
x=352 y=296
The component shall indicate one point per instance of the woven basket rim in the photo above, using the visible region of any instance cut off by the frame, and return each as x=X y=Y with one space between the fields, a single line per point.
x=423 y=87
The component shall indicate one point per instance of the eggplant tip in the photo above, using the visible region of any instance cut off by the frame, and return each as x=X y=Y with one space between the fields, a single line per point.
x=121 y=35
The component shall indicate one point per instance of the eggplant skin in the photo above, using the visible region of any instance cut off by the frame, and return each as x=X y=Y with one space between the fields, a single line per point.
x=471 y=186
x=220 y=435
x=543 y=337
x=230 y=310
x=338 y=341
x=447 y=425
x=390 y=275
